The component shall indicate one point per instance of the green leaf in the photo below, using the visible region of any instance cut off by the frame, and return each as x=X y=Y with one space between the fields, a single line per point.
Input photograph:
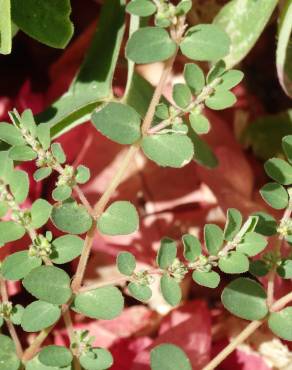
x=8 y=357
x=234 y=263
x=166 y=253
x=120 y=218
x=4 y=207
x=181 y=95
x=22 y=153
x=258 y=268
x=19 y=185
x=71 y=217
x=230 y=79
x=170 y=290
x=82 y=174
x=139 y=291
x=199 y=123
x=1 y=321
x=142 y=8
x=17 y=265
x=96 y=359
x=16 y=314
x=10 y=134
x=55 y=356
x=93 y=81
x=287 y=147
x=104 y=303
x=245 y=298
x=213 y=236
x=43 y=133
x=58 y=152
x=204 y=154
x=10 y=231
x=150 y=44
x=281 y=323
x=221 y=99
x=169 y=356
x=283 y=53
x=48 y=283
x=6 y=166
x=28 y=121
x=209 y=279
x=118 y=122
x=42 y=173
x=244 y=23
x=285 y=269
x=275 y=195
x=39 y=315
x=194 y=77
x=168 y=150
x=216 y=71
x=233 y=224
x=279 y=170
x=61 y=193
x=126 y=263
x=66 y=248
x=35 y=364
x=5 y=27
x=161 y=111
x=265 y=134
x=252 y=244
x=40 y=213
x=48 y=23
x=205 y=42
x=192 y=247
x=183 y=7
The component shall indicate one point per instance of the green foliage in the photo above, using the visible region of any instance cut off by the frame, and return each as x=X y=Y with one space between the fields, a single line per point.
x=279 y=170
x=8 y=357
x=35 y=364
x=167 y=253
x=104 y=303
x=96 y=359
x=19 y=185
x=213 y=236
x=139 y=291
x=209 y=279
x=194 y=77
x=252 y=244
x=10 y=134
x=181 y=95
x=192 y=247
x=275 y=195
x=5 y=27
x=120 y=218
x=199 y=123
x=233 y=224
x=221 y=99
x=283 y=54
x=55 y=356
x=48 y=283
x=142 y=8
x=22 y=153
x=82 y=174
x=10 y=231
x=170 y=290
x=48 y=23
x=234 y=263
x=244 y=23
x=119 y=122
x=66 y=248
x=39 y=315
x=126 y=263
x=285 y=269
x=246 y=299
x=71 y=217
x=150 y=44
x=169 y=356
x=61 y=193
x=42 y=173
x=205 y=42
x=40 y=213
x=168 y=150
x=93 y=82
x=287 y=147
x=281 y=323
x=58 y=152
x=17 y=265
